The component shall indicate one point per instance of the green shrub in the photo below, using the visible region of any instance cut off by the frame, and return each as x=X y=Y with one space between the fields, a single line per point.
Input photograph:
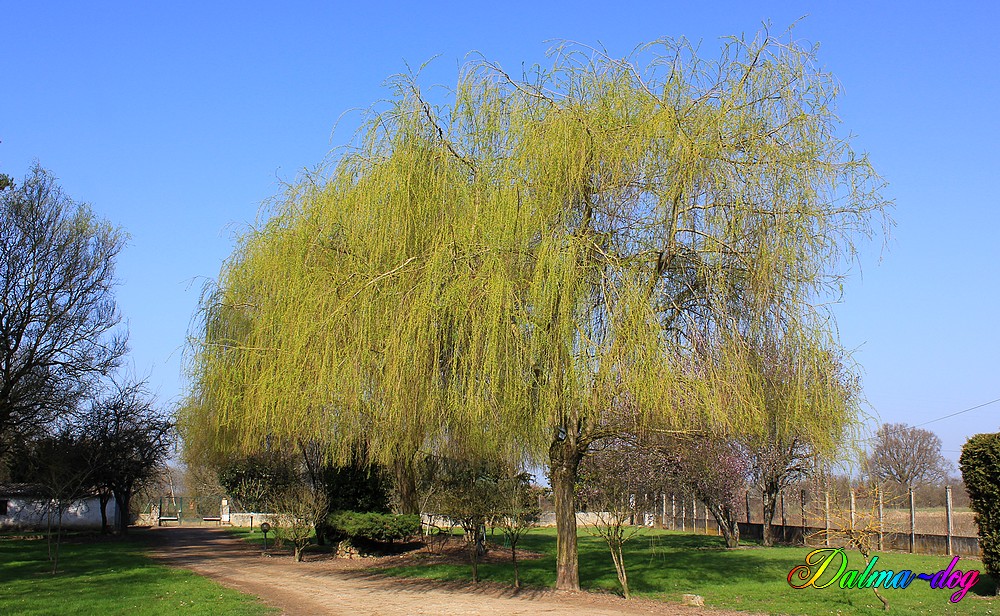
x=980 y=464
x=374 y=527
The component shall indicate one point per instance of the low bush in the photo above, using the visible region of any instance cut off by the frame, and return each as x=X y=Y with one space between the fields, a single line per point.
x=371 y=527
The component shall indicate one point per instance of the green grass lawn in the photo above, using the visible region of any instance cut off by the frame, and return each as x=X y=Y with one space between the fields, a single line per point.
x=103 y=576
x=664 y=565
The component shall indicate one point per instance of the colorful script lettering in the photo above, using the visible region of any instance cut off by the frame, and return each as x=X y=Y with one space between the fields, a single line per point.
x=818 y=572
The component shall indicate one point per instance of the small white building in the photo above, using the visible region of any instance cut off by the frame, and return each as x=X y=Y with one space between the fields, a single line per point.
x=25 y=506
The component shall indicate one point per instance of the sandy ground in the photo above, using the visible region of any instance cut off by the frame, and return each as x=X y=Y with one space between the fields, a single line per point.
x=340 y=586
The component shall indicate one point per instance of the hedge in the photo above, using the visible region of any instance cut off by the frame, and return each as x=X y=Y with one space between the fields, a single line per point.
x=376 y=527
x=980 y=464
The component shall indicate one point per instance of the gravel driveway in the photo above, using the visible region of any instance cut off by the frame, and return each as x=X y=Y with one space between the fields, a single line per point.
x=339 y=586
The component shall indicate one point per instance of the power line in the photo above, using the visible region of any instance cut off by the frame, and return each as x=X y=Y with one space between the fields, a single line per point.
x=971 y=408
x=874 y=438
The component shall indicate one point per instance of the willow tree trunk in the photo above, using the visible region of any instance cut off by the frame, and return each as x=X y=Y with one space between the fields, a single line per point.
x=406 y=486
x=769 y=497
x=564 y=465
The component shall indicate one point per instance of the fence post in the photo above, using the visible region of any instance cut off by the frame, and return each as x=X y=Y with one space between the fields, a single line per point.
x=881 y=518
x=784 y=522
x=913 y=524
x=826 y=510
x=694 y=514
x=802 y=510
x=947 y=508
x=852 y=508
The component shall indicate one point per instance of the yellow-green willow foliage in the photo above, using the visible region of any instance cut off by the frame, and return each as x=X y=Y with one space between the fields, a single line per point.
x=535 y=256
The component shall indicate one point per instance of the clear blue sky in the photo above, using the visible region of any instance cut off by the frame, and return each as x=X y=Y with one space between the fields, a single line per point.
x=176 y=120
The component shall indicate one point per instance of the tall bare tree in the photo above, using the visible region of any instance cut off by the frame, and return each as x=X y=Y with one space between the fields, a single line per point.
x=907 y=456
x=58 y=318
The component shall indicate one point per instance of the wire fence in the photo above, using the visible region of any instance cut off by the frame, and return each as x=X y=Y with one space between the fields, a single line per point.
x=930 y=520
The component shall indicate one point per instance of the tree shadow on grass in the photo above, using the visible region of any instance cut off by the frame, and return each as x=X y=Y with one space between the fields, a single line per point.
x=676 y=562
x=986 y=586
x=78 y=553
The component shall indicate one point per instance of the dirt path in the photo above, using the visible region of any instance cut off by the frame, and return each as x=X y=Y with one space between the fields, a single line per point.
x=328 y=586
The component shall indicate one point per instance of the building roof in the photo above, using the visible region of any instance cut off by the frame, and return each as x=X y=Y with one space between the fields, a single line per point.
x=22 y=489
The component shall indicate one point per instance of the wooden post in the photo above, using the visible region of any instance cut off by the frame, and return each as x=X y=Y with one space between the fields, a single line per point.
x=694 y=514
x=913 y=524
x=947 y=509
x=762 y=506
x=784 y=520
x=881 y=520
x=748 y=505
x=826 y=509
x=852 y=508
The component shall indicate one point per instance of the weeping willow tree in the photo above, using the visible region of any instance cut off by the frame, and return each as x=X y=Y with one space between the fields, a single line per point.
x=514 y=272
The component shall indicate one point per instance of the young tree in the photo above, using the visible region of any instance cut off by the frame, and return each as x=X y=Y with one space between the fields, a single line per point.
x=468 y=492
x=860 y=529
x=504 y=271
x=611 y=479
x=60 y=465
x=518 y=511
x=808 y=399
x=299 y=508
x=58 y=316
x=715 y=469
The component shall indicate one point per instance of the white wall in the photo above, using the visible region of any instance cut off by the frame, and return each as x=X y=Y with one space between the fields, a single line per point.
x=31 y=513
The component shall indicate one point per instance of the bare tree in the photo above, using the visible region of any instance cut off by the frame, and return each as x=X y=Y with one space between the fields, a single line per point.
x=58 y=466
x=467 y=491
x=908 y=456
x=858 y=529
x=298 y=508
x=132 y=441
x=611 y=477
x=518 y=512
x=58 y=317
x=774 y=466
